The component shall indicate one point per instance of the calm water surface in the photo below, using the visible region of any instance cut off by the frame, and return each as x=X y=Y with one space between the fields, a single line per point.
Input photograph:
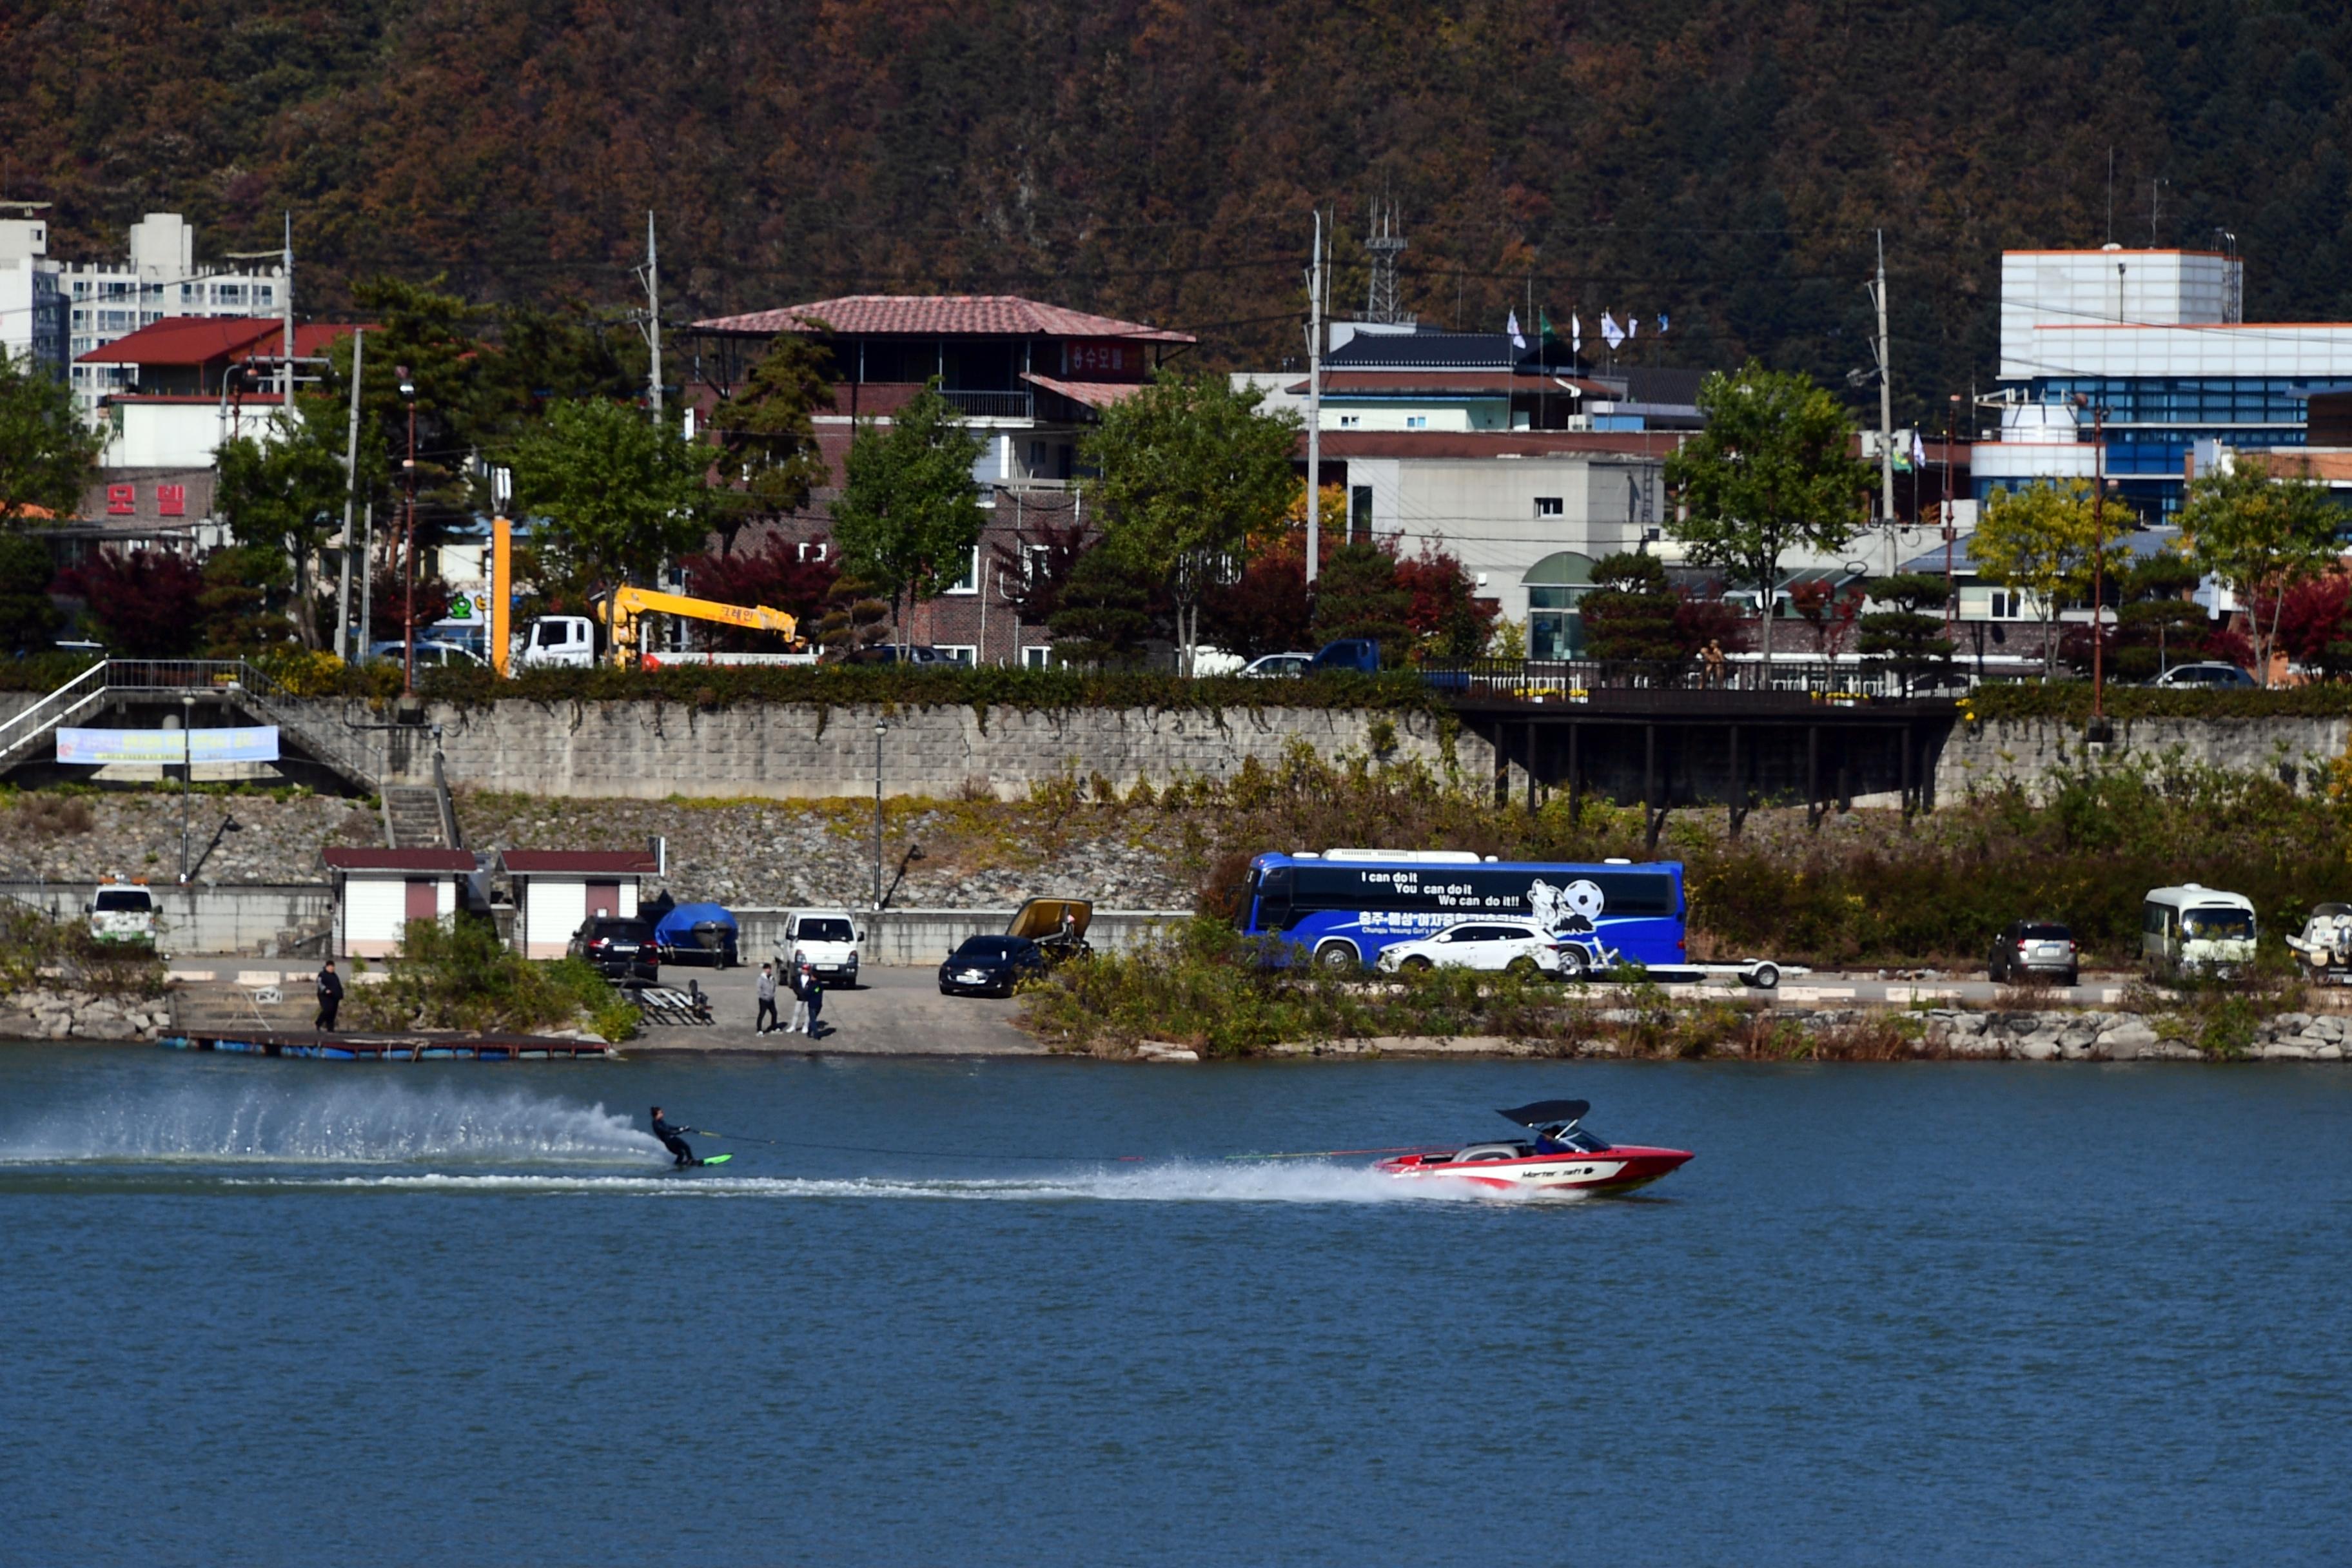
x=305 y=1313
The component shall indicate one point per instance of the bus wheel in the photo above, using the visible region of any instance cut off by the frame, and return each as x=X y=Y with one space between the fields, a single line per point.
x=1337 y=955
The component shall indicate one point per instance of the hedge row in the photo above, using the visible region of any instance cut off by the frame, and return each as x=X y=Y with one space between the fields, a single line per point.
x=2071 y=701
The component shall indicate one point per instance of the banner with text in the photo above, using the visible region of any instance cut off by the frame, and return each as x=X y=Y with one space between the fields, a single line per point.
x=244 y=744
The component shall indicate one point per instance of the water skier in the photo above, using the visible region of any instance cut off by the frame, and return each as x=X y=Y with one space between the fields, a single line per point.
x=673 y=1139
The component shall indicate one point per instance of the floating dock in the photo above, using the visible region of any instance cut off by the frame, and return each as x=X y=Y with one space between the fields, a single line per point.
x=416 y=1047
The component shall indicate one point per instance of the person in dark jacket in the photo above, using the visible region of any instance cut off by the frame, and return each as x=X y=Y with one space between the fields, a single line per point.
x=814 y=990
x=673 y=1138
x=331 y=997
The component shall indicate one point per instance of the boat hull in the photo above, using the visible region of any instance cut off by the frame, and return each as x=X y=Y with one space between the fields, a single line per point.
x=1616 y=1170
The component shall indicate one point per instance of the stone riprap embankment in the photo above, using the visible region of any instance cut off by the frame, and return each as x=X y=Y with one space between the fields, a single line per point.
x=46 y=1014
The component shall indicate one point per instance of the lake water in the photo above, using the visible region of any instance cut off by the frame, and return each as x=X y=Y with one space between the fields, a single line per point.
x=307 y=1312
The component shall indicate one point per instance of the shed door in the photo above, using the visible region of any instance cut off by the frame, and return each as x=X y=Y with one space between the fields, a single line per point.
x=603 y=899
x=424 y=899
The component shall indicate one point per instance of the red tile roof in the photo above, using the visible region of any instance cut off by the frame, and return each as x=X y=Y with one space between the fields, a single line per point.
x=1093 y=394
x=182 y=340
x=200 y=340
x=954 y=315
x=343 y=859
x=581 y=862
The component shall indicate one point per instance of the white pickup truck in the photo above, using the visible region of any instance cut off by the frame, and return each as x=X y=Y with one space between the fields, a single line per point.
x=123 y=912
x=826 y=941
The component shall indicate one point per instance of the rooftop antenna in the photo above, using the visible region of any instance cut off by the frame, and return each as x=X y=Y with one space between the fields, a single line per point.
x=1384 y=244
x=2155 y=197
x=2111 y=193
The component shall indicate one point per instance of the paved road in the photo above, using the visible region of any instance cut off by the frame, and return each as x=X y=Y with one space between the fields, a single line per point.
x=894 y=1012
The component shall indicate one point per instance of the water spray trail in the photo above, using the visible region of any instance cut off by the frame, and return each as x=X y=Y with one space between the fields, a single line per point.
x=347 y=1120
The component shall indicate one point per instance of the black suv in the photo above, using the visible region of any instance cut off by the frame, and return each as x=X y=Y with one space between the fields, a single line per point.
x=2043 y=949
x=623 y=949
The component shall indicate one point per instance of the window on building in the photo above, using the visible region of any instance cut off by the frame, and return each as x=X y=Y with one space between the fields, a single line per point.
x=1360 y=512
x=82 y=288
x=263 y=293
x=228 y=293
x=959 y=653
x=969 y=582
x=1551 y=506
x=1033 y=559
x=1037 y=656
x=2008 y=605
x=1416 y=421
x=818 y=545
x=81 y=318
x=1350 y=421
x=1036 y=456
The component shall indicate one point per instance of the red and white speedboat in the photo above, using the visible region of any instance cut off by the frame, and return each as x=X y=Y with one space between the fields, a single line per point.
x=1564 y=1157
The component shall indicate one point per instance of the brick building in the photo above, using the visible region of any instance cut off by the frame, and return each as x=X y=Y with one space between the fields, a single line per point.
x=1028 y=378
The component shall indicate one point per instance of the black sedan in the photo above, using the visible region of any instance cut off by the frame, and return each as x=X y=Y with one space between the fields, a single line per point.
x=621 y=948
x=990 y=966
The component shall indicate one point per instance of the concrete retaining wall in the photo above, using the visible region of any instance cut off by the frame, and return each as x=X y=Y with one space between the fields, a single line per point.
x=652 y=750
x=925 y=936
x=264 y=919
x=2026 y=752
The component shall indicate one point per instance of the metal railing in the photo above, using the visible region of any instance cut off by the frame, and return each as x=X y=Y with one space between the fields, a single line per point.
x=234 y=679
x=1730 y=682
x=990 y=405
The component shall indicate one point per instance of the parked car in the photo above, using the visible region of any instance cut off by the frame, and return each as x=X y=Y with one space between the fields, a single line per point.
x=622 y=946
x=1518 y=946
x=698 y=933
x=2193 y=928
x=891 y=653
x=2037 y=948
x=990 y=966
x=826 y=941
x=123 y=912
x=1278 y=667
x=430 y=652
x=2210 y=675
x=1359 y=655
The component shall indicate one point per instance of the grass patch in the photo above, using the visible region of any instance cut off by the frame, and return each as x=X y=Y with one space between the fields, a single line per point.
x=32 y=942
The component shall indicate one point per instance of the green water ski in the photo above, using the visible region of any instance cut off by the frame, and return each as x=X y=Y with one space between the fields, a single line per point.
x=715 y=1160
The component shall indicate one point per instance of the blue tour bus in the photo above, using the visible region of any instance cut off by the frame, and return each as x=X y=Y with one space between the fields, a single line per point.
x=1343 y=906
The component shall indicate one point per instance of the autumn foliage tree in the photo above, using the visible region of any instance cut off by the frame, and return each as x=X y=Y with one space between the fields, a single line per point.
x=143 y=605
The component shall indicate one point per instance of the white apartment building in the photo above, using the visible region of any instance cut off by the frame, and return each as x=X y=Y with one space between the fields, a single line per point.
x=32 y=308
x=108 y=299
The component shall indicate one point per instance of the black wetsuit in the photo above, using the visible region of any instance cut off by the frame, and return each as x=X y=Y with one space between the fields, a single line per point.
x=330 y=997
x=670 y=1133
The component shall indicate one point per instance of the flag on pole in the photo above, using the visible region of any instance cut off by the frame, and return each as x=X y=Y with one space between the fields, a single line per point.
x=1632 y=325
x=1519 y=339
x=1610 y=332
x=1543 y=328
x=1918 y=451
x=1662 y=323
x=1575 y=334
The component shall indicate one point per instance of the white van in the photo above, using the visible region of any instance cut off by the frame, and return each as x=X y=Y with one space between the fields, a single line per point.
x=123 y=912
x=826 y=939
x=2196 y=928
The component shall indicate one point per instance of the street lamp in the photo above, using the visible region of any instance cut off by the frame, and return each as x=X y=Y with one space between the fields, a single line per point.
x=878 y=727
x=187 y=775
x=408 y=550
x=2097 y=728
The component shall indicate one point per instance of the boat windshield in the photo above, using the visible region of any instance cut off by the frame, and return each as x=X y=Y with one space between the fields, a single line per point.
x=2218 y=925
x=1581 y=1141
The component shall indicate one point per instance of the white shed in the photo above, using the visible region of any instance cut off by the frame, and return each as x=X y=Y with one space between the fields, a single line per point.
x=378 y=891
x=556 y=890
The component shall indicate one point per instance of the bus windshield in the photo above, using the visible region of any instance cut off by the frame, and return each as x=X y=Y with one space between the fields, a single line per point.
x=2218 y=924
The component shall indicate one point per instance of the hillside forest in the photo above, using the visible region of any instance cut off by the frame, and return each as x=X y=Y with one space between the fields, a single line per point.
x=1724 y=163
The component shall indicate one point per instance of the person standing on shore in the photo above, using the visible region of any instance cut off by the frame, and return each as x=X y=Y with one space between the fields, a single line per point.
x=767 y=1019
x=815 y=1000
x=330 y=997
x=799 y=980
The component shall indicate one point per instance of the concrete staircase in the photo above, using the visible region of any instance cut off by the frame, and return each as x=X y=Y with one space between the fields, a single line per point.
x=412 y=818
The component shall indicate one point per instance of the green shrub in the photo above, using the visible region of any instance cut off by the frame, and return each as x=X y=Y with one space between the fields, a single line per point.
x=32 y=942
x=461 y=976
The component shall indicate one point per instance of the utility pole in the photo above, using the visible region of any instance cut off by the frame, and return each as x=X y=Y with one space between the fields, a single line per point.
x=1885 y=398
x=878 y=727
x=653 y=317
x=288 y=369
x=1314 y=407
x=351 y=500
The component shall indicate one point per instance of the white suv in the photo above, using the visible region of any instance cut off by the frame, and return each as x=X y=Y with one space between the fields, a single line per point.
x=1517 y=945
x=826 y=939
